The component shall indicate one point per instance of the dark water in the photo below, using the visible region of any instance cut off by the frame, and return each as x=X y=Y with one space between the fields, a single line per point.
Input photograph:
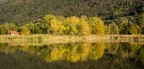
x=73 y=56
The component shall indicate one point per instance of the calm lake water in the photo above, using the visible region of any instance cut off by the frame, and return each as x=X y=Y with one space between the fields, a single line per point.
x=73 y=56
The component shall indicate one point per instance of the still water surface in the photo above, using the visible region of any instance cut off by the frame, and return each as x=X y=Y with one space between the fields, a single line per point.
x=73 y=56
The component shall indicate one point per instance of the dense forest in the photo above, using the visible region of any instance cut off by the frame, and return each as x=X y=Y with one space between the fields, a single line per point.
x=74 y=17
x=22 y=11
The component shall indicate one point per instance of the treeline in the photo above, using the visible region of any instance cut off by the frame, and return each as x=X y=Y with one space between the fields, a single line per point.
x=23 y=11
x=59 y=25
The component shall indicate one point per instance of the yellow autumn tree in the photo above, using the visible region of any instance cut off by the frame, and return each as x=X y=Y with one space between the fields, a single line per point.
x=97 y=25
x=24 y=30
x=83 y=27
x=54 y=26
x=71 y=25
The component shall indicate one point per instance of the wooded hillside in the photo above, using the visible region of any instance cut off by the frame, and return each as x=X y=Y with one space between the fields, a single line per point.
x=23 y=11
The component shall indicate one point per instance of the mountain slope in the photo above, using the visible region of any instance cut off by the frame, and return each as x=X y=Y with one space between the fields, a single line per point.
x=22 y=11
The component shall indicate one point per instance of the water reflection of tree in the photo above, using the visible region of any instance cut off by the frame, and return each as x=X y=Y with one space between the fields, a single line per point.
x=81 y=51
x=76 y=52
x=112 y=48
x=126 y=51
x=97 y=51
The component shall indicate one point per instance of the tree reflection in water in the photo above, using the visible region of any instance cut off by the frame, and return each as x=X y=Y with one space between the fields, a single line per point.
x=73 y=56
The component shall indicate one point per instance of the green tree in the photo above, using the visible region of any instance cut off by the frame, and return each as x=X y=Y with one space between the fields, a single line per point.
x=33 y=28
x=134 y=29
x=24 y=30
x=2 y=30
x=43 y=28
x=141 y=22
x=112 y=28
x=123 y=24
x=10 y=26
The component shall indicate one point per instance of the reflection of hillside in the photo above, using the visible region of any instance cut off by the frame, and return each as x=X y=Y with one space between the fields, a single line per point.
x=66 y=52
x=82 y=53
x=23 y=60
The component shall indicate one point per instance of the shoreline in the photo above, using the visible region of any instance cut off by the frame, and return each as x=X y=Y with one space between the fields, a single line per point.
x=42 y=39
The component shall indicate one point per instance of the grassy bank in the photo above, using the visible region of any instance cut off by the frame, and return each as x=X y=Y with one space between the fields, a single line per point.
x=50 y=39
